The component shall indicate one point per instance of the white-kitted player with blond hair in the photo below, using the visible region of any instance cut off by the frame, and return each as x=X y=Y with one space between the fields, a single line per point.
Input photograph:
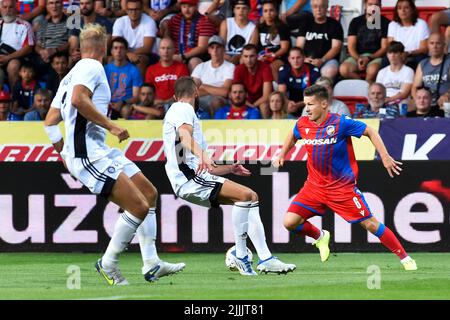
x=82 y=102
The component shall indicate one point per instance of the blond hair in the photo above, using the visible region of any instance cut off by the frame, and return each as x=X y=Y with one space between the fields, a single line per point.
x=93 y=36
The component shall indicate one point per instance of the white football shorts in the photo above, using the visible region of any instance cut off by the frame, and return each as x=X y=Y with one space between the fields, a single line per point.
x=203 y=190
x=99 y=176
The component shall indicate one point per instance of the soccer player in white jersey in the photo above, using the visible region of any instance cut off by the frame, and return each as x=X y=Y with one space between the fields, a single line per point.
x=196 y=178
x=82 y=102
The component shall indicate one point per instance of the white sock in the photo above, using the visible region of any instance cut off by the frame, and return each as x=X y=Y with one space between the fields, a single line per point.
x=239 y=216
x=256 y=232
x=124 y=231
x=147 y=236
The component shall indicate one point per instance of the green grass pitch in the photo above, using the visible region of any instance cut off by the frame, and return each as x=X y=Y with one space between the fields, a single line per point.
x=344 y=276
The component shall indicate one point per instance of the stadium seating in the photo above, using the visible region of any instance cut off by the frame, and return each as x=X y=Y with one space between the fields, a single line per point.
x=351 y=92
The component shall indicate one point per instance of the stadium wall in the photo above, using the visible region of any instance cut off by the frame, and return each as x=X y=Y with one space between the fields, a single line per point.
x=42 y=208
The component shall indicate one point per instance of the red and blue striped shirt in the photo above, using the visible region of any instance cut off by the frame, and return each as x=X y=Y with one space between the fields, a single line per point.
x=331 y=160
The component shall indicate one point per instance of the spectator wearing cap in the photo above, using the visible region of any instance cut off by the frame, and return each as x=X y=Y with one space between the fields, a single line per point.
x=165 y=73
x=5 y=107
x=238 y=31
x=214 y=77
x=190 y=31
x=396 y=77
x=140 y=32
x=257 y=78
x=321 y=39
x=17 y=34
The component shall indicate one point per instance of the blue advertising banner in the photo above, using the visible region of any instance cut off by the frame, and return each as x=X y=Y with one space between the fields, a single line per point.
x=417 y=138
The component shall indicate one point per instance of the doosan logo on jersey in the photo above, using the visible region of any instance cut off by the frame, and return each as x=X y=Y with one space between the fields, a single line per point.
x=319 y=141
x=166 y=77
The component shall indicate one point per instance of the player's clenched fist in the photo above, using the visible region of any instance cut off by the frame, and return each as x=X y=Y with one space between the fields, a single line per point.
x=119 y=132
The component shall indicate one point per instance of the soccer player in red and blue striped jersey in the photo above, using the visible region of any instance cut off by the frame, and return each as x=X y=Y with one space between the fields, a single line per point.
x=332 y=175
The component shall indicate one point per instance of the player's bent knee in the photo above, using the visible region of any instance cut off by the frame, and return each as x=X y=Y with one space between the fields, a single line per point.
x=289 y=226
x=292 y=221
x=152 y=193
x=141 y=209
x=249 y=195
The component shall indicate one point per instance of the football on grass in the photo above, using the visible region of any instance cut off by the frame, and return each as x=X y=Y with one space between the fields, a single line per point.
x=229 y=259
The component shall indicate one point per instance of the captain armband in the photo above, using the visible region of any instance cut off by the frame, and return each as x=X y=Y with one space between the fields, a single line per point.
x=53 y=133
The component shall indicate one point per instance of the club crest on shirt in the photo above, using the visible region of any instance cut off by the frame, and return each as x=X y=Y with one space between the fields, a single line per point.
x=330 y=130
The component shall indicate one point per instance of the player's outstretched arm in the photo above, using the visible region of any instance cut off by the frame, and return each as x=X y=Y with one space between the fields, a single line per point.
x=185 y=133
x=289 y=142
x=389 y=163
x=82 y=101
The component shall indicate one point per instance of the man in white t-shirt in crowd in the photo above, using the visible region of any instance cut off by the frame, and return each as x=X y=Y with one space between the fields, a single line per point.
x=17 y=34
x=82 y=102
x=397 y=77
x=214 y=77
x=196 y=178
x=140 y=31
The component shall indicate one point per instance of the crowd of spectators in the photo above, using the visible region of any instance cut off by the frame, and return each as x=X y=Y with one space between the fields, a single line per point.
x=251 y=59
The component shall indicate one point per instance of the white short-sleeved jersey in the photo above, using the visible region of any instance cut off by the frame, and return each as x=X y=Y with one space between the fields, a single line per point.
x=84 y=139
x=181 y=163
